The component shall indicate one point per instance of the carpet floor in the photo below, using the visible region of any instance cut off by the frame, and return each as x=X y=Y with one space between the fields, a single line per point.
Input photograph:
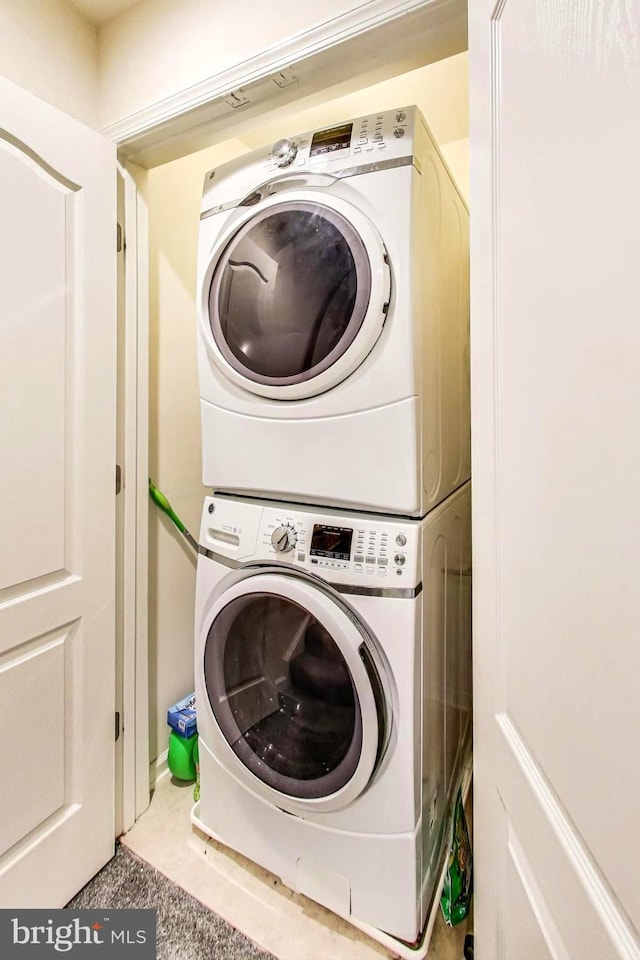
x=186 y=930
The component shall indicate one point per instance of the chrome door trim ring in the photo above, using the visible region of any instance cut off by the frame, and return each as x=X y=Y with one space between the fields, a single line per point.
x=359 y=255
x=374 y=167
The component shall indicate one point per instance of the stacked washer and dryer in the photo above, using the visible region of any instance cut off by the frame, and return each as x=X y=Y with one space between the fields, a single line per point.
x=333 y=622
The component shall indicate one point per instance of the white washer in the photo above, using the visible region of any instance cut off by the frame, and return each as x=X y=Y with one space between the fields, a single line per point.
x=333 y=317
x=333 y=693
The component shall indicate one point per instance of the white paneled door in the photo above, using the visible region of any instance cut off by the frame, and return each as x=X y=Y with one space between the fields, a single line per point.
x=555 y=204
x=57 y=456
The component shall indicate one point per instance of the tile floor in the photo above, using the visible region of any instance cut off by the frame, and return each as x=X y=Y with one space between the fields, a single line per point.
x=248 y=897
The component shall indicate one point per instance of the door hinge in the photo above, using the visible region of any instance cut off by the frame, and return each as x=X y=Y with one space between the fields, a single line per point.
x=119 y=238
x=118 y=478
x=117 y=725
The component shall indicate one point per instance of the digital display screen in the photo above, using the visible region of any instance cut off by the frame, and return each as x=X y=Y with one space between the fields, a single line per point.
x=328 y=141
x=334 y=542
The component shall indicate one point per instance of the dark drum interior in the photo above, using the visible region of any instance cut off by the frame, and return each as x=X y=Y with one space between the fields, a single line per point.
x=283 y=296
x=285 y=700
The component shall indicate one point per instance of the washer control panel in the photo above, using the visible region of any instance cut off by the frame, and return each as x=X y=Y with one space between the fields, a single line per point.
x=340 y=547
x=363 y=140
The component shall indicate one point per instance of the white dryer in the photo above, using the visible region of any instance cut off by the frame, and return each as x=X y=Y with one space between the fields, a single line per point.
x=333 y=692
x=333 y=318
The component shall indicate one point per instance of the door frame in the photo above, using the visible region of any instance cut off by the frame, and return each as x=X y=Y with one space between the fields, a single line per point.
x=132 y=681
x=406 y=34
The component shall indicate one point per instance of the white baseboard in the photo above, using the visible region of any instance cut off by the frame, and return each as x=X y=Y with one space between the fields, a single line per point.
x=159 y=770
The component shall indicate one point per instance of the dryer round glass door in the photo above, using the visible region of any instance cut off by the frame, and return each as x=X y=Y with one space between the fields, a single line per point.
x=296 y=296
x=292 y=691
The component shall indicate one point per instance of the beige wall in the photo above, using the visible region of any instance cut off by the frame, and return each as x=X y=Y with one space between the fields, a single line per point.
x=174 y=424
x=440 y=90
x=48 y=48
x=161 y=47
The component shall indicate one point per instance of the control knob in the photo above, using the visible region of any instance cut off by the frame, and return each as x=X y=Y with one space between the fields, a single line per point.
x=284 y=152
x=284 y=538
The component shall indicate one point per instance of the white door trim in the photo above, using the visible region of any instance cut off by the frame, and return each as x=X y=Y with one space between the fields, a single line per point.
x=304 y=63
x=134 y=378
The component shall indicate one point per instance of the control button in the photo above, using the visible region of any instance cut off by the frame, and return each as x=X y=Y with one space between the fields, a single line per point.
x=357 y=149
x=401 y=540
x=382 y=572
x=358 y=567
x=359 y=558
x=398 y=132
x=301 y=557
x=399 y=572
x=363 y=140
x=371 y=559
x=400 y=559
x=370 y=569
x=284 y=152
x=313 y=560
x=400 y=116
x=284 y=538
x=383 y=561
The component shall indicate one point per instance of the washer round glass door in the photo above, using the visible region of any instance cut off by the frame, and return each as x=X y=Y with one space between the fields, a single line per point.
x=296 y=295
x=292 y=690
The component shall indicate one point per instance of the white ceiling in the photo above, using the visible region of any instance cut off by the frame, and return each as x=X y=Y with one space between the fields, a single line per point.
x=98 y=11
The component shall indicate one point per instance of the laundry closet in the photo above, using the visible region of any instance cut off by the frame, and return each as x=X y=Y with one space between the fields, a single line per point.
x=554 y=402
x=345 y=461
x=174 y=195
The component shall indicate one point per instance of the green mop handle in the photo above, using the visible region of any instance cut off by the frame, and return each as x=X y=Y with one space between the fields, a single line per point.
x=161 y=501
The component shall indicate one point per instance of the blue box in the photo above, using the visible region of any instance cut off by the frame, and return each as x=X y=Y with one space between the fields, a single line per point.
x=181 y=717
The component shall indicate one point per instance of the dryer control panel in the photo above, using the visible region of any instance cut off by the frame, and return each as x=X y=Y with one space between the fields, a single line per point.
x=356 y=146
x=341 y=547
x=364 y=140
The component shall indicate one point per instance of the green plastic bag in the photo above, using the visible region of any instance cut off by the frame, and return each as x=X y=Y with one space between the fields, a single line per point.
x=458 y=882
